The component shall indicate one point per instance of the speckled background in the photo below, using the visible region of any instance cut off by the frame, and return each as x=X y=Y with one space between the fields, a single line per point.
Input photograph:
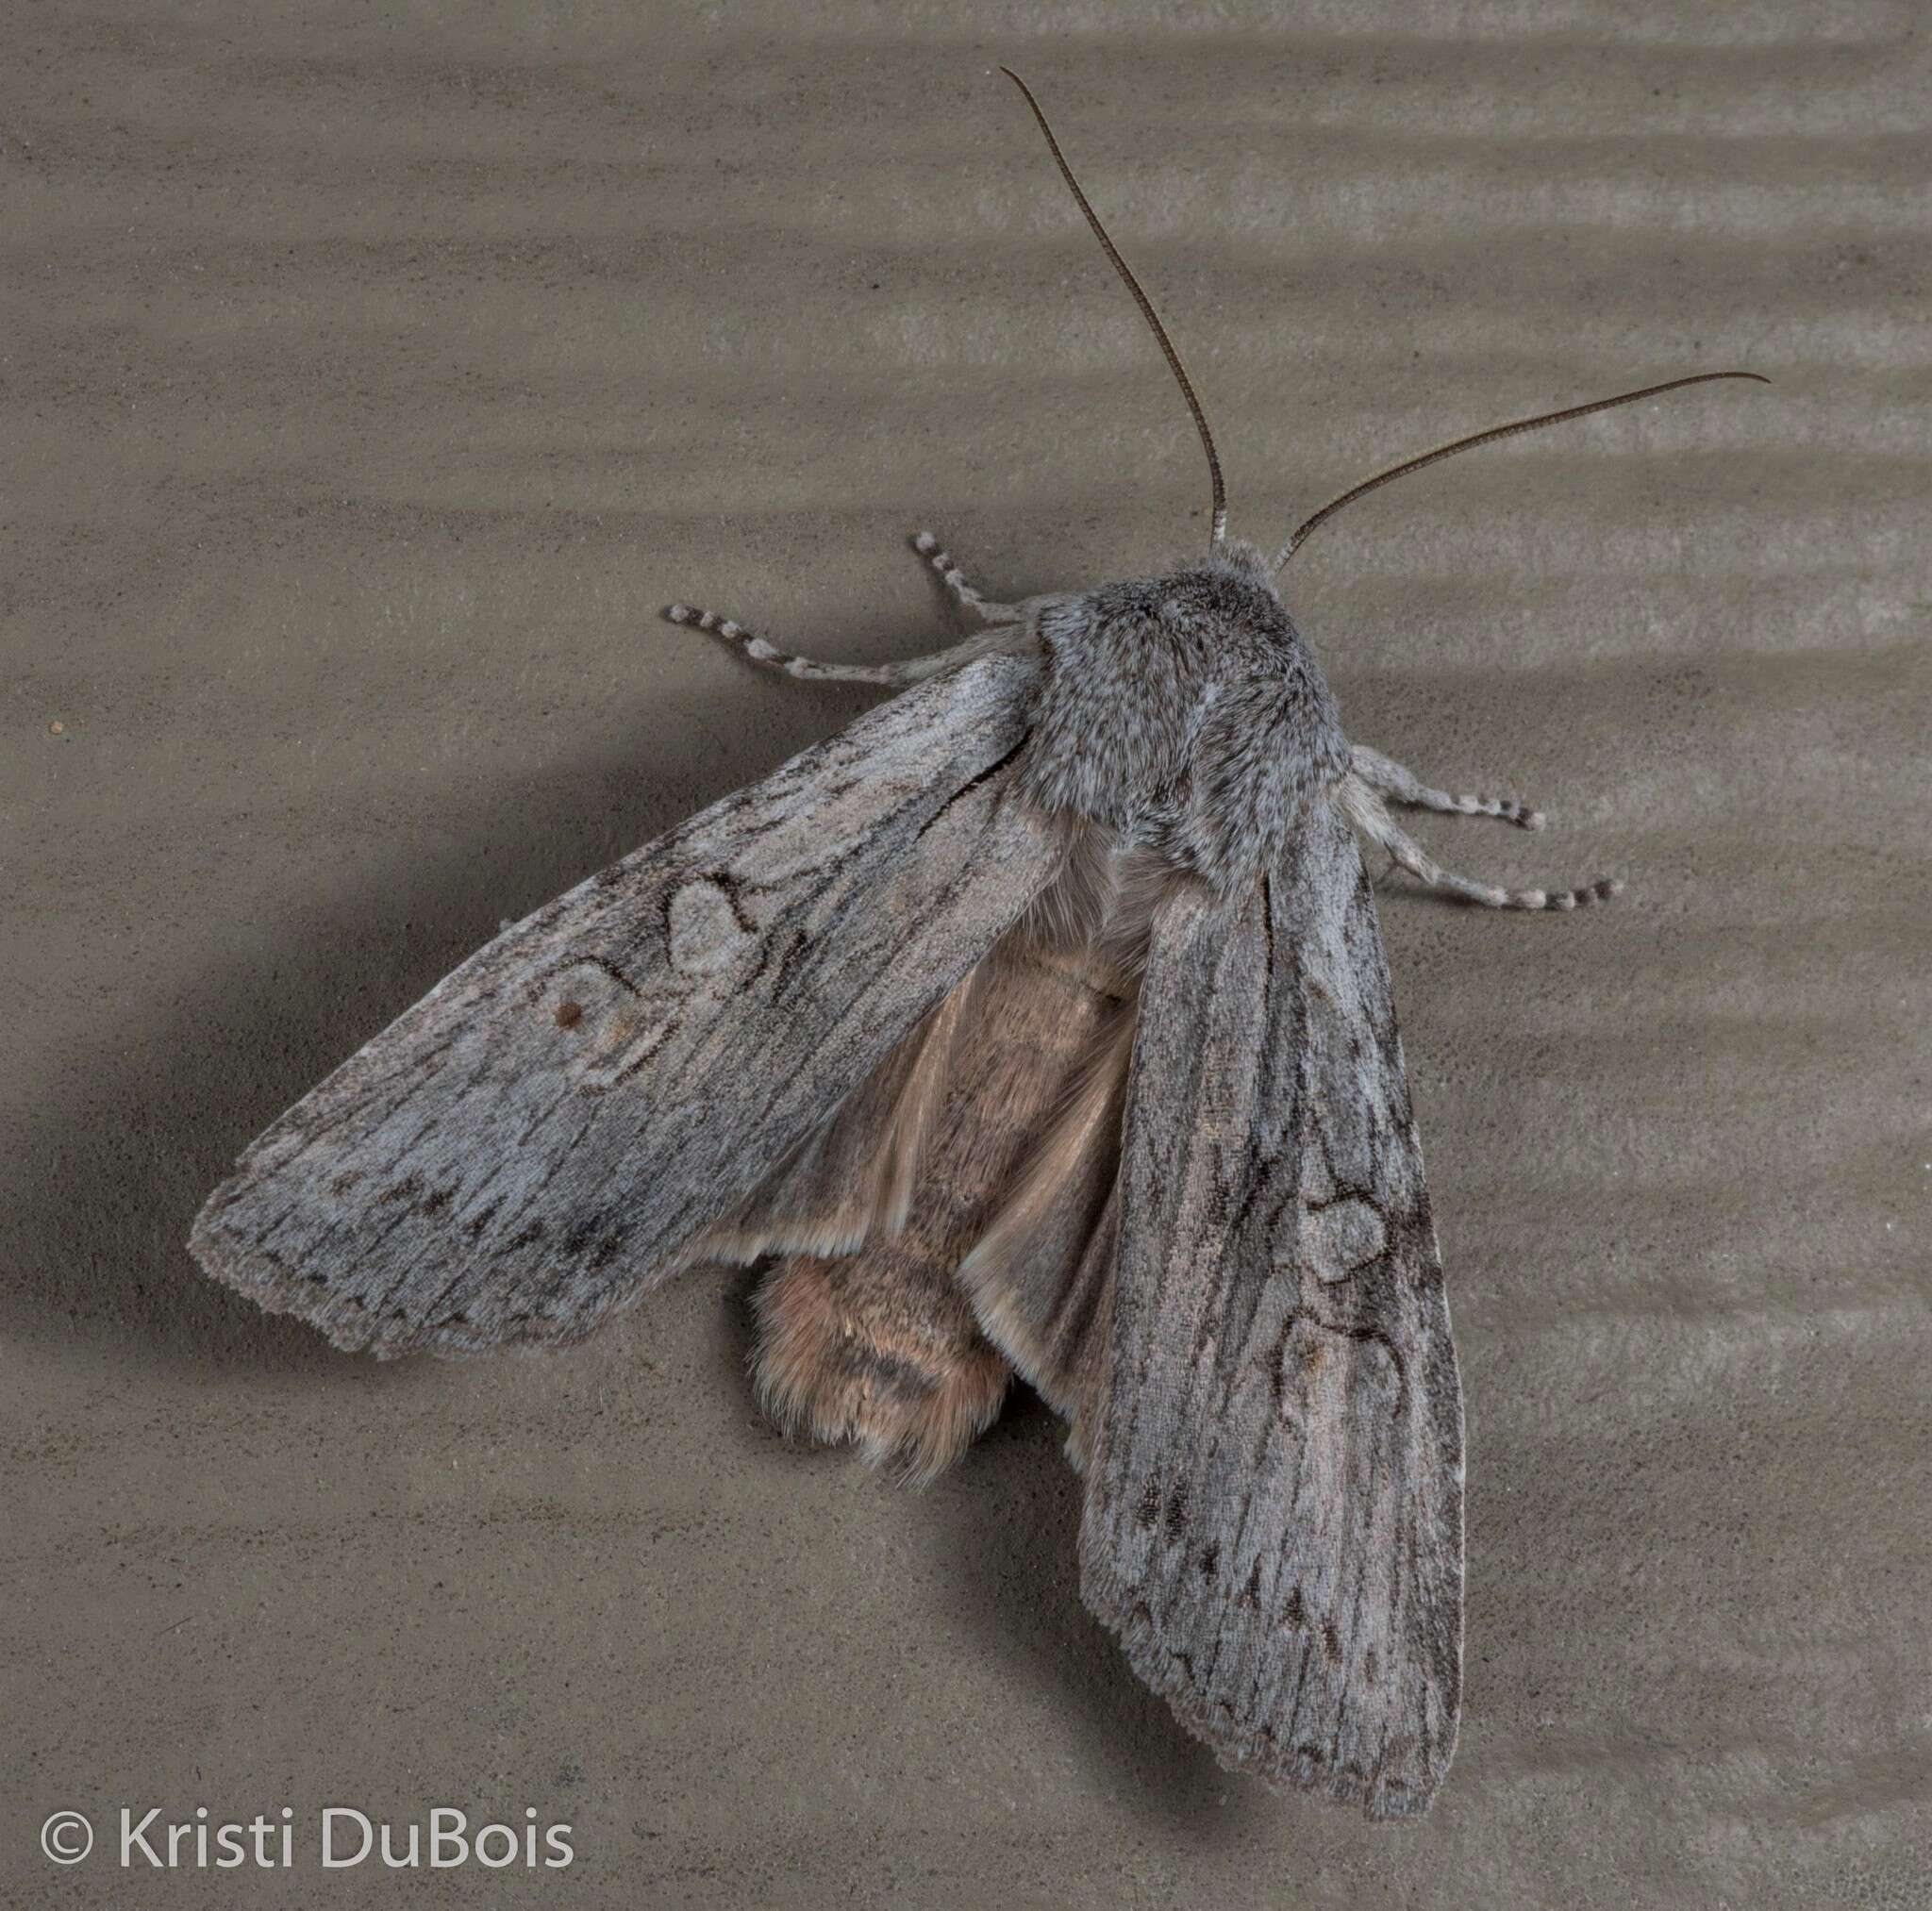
x=370 y=376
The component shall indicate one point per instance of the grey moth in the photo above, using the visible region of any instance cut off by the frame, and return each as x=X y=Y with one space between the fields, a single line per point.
x=1038 y=1024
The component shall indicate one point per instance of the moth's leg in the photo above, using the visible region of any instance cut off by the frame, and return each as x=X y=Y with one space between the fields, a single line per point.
x=763 y=649
x=1384 y=773
x=1366 y=810
x=954 y=579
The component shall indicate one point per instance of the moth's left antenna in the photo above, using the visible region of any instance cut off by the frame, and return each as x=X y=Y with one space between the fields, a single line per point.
x=1146 y=305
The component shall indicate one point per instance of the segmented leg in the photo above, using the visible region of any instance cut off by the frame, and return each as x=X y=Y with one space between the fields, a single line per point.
x=1368 y=814
x=930 y=549
x=1384 y=773
x=763 y=649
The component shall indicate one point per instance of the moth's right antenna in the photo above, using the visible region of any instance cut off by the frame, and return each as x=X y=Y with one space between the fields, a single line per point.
x=1141 y=299
x=1299 y=535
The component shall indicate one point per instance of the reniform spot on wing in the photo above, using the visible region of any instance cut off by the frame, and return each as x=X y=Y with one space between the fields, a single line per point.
x=1324 y=1371
x=594 y=1023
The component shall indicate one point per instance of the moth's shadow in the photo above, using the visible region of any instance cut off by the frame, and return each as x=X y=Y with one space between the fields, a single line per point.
x=1003 y=1527
x=1006 y=1529
x=114 y=1156
x=100 y=1185
x=103 y=1179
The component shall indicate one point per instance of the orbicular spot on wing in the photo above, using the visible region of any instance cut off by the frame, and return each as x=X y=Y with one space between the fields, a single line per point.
x=1341 y=1239
x=706 y=937
x=594 y=1024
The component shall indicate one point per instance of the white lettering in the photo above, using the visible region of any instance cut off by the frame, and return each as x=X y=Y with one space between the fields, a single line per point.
x=443 y=1831
x=330 y=1814
x=412 y=1856
x=510 y=1839
x=133 y=1835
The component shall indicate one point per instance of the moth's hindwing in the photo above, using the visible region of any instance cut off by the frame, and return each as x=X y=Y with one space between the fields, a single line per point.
x=1273 y=1520
x=547 y=1133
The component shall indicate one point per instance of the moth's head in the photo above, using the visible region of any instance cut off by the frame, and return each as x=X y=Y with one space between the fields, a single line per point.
x=1248 y=563
x=1234 y=577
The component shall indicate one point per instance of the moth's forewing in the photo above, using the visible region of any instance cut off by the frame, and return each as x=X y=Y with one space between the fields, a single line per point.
x=552 y=1129
x=1273 y=1520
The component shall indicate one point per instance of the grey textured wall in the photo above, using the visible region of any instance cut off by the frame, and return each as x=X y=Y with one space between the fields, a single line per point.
x=373 y=374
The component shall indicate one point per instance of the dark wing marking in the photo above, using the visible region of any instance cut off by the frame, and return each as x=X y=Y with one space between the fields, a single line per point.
x=1273 y=1519
x=549 y=1131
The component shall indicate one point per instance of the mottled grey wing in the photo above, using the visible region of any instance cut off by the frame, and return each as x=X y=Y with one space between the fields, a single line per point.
x=1273 y=1517
x=547 y=1133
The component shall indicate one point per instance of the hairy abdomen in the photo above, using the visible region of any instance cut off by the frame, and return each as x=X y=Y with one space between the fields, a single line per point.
x=1010 y=1145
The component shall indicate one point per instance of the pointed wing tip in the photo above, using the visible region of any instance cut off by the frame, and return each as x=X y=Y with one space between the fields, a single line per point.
x=252 y=1273
x=1392 y=1793
x=346 y=1321
x=1388 y=1794
x=1383 y=1797
x=227 y=1256
x=1397 y=1804
x=1401 y=1786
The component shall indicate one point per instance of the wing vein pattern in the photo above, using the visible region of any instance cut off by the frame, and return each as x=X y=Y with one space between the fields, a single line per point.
x=554 y=1127
x=1273 y=1517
